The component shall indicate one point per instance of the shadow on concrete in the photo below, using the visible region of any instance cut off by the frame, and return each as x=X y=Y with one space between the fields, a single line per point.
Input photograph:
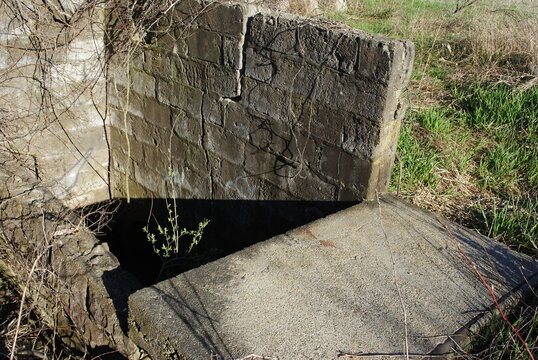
x=191 y=310
x=234 y=225
x=120 y=284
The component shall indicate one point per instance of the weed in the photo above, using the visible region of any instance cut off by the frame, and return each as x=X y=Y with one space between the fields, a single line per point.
x=166 y=239
x=496 y=339
x=513 y=222
x=168 y=245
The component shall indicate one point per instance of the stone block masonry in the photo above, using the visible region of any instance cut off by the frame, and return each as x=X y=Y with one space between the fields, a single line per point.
x=257 y=107
x=52 y=96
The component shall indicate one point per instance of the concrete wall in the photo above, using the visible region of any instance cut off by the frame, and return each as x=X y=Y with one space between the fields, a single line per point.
x=52 y=100
x=237 y=106
x=257 y=107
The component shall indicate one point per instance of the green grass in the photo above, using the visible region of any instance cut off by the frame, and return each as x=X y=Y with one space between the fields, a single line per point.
x=387 y=17
x=514 y=222
x=496 y=340
x=509 y=118
x=489 y=134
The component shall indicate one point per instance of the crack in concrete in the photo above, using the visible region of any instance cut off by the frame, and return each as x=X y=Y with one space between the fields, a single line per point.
x=203 y=140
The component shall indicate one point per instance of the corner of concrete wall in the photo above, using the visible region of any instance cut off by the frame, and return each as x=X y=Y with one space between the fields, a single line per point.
x=79 y=288
x=56 y=101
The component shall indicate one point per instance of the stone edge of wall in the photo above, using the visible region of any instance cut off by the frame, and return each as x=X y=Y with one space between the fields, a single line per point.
x=82 y=291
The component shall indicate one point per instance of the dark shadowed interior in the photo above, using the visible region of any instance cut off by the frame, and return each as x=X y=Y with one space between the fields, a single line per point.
x=233 y=225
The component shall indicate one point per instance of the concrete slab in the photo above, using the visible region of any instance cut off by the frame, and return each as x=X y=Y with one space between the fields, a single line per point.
x=383 y=278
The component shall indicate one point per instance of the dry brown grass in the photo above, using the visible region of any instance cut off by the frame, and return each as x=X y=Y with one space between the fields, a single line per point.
x=506 y=37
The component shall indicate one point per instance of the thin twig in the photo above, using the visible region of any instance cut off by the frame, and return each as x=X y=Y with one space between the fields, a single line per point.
x=345 y=355
x=396 y=282
x=23 y=299
x=258 y=357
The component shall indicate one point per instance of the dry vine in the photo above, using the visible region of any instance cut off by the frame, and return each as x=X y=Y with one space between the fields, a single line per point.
x=42 y=87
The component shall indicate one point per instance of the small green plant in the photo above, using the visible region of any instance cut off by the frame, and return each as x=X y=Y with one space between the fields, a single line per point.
x=166 y=240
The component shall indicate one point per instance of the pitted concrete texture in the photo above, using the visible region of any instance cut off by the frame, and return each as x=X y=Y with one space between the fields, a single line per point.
x=368 y=279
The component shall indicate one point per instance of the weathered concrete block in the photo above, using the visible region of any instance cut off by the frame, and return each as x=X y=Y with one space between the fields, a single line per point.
x=195 y=158
x=205 y=45
x=160 y=64
x=258 y=64
x=274 y=33
x=258 y=161
x=188 y=9
x=352 y=94
x=156 y=158
x=329 y=161
x=181 y=96
x=355 y=174
x=280 y=174
x=189 y=71
x=212 y=109
x=306 y=183
x=194 y=184
x=272 y=192
x=296 y=75
x=235 y=182
x=186 y=127
x=157 y=113
x=325 y=123
x=270 y=134
x=236 y=118
x=126 y=144
x=344 y=56
x=332 y=272
x=149 y=178
x=266 y=99
x=172 y=41
x=316 y=43
x=143 y=83
x=374 y=59
x=232 y=52
x=224 y=144
x=223 y=18
x=178 y=150
x=304 y=93
x=362 y=137
x=211 y=77
x=221 y=80
x=304 y=149
x=143 y=130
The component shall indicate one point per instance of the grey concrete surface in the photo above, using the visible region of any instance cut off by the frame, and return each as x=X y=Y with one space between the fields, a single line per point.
x=382 y=277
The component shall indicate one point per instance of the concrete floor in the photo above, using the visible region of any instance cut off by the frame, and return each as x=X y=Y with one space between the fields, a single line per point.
x=379 y=278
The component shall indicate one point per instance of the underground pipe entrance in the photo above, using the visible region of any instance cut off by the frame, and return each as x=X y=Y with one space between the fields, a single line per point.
x=233 y=225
